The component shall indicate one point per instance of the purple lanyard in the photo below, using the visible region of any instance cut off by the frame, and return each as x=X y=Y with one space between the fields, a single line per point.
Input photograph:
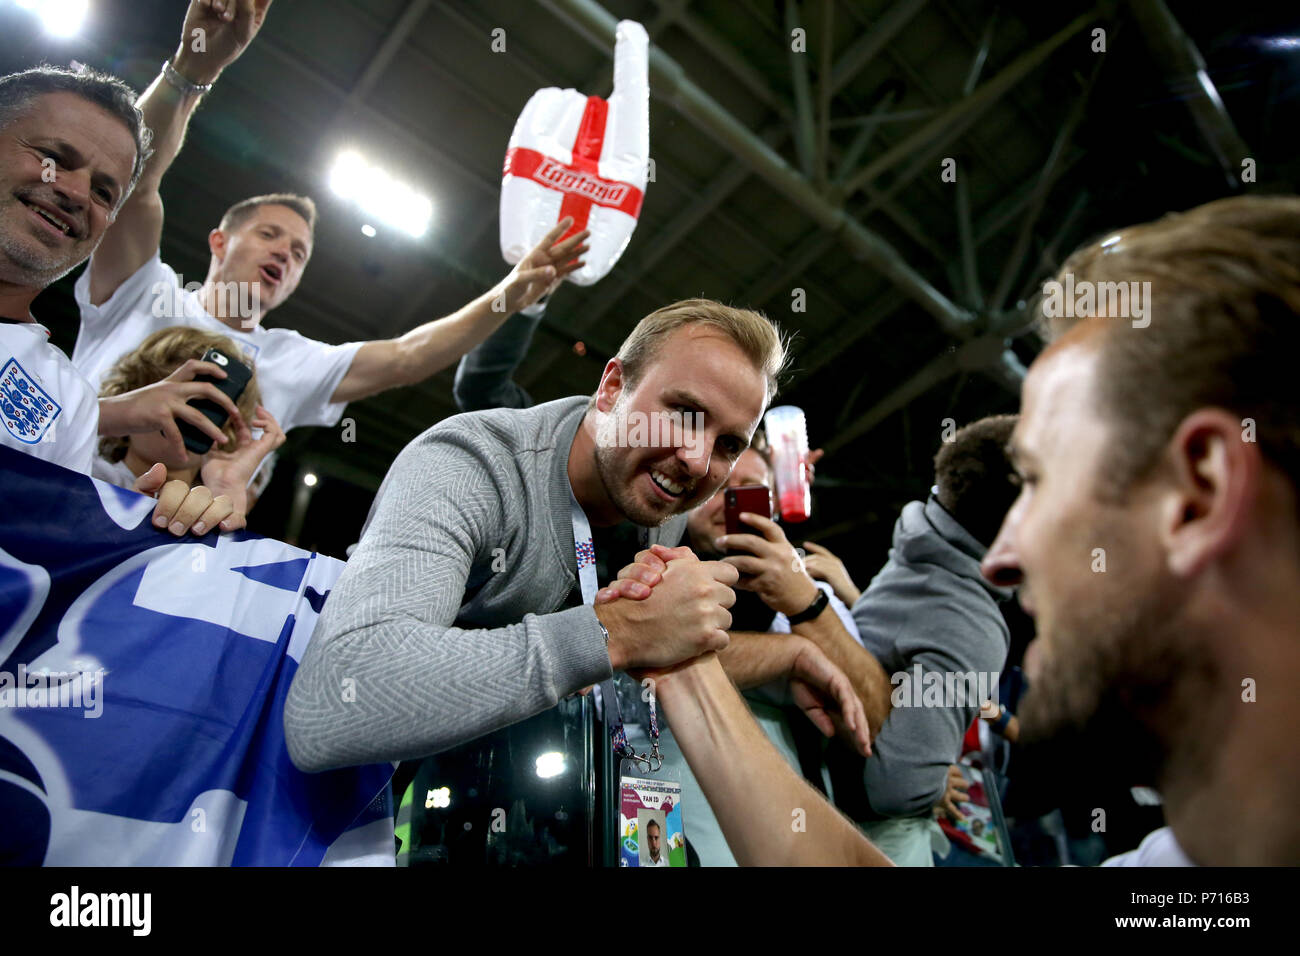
x=584 y=550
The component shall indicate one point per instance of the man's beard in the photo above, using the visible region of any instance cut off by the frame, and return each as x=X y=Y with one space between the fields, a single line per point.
x=20 y=267
x=609 y=458
x=621 y=493
x=1121 y=677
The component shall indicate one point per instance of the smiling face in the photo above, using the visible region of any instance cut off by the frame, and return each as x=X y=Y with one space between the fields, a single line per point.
x=1091 y=570
x=47 y=228
x=697 y=369
x=271 y=248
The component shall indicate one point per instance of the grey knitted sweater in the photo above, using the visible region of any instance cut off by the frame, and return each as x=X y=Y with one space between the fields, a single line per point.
x=447 y=622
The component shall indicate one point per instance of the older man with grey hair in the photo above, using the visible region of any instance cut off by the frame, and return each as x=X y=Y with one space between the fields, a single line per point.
x=72 y=147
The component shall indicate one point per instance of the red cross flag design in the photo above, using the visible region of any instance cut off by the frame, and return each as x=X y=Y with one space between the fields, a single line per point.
x=581 y=156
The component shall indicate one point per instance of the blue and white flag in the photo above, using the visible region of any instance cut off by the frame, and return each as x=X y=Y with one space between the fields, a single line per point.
x=142 y=688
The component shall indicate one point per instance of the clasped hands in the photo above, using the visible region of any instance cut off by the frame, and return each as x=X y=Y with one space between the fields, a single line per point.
x=667 y=608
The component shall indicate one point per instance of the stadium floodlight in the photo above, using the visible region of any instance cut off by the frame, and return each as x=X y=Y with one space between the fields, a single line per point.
x=61 y=18
x=378 y=193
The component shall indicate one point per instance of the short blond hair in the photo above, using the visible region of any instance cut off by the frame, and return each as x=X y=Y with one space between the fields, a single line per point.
x=1224 y=329
x=157 y=357
x=756 y=334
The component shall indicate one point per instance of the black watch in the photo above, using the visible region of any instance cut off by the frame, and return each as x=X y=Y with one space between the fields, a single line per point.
x=812 y=610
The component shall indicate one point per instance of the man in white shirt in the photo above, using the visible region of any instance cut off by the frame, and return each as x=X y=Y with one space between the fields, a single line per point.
x=68 y=155
x=259 y=252
x=1155 y=541
x=71 y=149
x=1156 y=538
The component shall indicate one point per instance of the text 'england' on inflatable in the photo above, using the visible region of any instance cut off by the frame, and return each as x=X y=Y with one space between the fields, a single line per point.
x=581 y=156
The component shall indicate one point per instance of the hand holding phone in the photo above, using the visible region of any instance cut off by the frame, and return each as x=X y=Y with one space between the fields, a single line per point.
x=237 y=378
x=756 y=499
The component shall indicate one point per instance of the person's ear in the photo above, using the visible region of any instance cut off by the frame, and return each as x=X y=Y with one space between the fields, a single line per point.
x=611 y=385
x=1213 y=488
x=217 y=241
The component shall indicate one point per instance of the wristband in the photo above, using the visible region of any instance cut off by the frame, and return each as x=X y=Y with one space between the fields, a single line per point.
x=812 y=610
x=189 y=88
x=1003 y=718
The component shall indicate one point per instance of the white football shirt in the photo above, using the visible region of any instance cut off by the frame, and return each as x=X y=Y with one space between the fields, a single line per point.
x=47 y=407
x=297 y=375
x=114 y=472
x=1158 y=848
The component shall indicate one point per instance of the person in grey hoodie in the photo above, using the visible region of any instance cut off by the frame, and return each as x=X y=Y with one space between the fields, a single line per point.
x=928 y=616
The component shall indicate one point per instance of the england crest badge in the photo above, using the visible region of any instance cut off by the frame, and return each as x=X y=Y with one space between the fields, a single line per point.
x=27 y=409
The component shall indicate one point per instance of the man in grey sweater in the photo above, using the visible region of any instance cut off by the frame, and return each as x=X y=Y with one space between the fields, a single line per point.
x=457 y=614
x=930 y=612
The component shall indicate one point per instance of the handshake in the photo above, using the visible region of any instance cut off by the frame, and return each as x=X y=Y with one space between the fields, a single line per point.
x=667 y=612
x=676 y=609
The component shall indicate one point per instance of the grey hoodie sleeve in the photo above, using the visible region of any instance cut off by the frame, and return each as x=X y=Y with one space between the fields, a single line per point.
x=908 y=770
x=387 y=675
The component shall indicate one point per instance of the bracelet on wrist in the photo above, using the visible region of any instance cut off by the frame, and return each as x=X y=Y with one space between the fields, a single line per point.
x=999 y=724
x=182 y=83
x=818 y=605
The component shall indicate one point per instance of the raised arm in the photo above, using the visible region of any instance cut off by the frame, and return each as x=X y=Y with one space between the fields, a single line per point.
x=214 y=35
x=773 y=570
x=485 y=375
x=822 y=564
x=429 y=348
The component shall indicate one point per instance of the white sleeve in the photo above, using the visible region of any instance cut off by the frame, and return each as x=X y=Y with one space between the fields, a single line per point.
x=310 y=371
x=137 y=292
x=842 y=609
x=83 y=458
x=81 y=433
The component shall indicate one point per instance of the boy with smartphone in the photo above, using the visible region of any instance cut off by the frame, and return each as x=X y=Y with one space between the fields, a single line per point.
x=206 y=483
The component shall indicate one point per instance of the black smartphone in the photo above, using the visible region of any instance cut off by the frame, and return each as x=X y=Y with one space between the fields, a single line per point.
x=236 y=380
x=756 y=499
